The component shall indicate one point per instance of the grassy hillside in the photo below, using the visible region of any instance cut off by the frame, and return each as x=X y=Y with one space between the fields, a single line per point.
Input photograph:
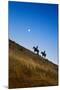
x=27 y=69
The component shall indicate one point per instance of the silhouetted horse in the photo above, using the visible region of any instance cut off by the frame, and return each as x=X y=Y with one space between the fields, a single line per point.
x=36 y=49
x=43 y=54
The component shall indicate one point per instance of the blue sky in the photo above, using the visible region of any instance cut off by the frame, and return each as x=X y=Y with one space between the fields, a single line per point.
x=41 y=19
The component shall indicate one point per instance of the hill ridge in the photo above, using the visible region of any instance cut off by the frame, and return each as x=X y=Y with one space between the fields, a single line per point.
x=10 y=41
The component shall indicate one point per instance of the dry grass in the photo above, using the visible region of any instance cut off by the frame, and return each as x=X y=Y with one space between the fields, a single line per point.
x=27 y=69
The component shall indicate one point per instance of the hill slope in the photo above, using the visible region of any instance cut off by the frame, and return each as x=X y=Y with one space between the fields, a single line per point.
x=27 y=69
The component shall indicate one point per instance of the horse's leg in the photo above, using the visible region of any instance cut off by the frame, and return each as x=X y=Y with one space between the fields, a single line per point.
x=37 y=52
x=34 y=51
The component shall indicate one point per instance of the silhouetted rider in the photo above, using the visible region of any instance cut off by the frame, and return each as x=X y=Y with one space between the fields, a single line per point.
x=37 y=47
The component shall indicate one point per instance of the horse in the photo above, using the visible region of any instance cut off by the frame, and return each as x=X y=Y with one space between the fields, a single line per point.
x=43 y=54
x=36 y=50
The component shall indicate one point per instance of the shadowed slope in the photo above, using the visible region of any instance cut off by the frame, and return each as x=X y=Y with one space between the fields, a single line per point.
x=27 y=69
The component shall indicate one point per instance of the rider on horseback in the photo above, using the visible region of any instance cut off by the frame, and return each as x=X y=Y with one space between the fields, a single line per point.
x=36 y=49
x=43 y=53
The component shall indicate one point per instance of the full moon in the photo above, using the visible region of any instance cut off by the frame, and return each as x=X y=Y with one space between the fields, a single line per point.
x=29 y=30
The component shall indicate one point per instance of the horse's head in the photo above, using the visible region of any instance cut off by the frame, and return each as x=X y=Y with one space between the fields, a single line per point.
x=33 y=47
